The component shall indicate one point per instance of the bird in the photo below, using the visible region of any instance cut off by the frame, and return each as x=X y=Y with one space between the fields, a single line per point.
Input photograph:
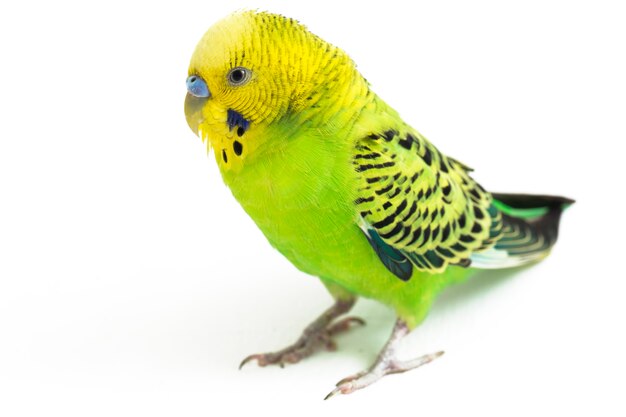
x=344 y=188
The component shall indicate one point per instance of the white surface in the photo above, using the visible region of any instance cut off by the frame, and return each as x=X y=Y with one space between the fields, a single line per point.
x=131 y=283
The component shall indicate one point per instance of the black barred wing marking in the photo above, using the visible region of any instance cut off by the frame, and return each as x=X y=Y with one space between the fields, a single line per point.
x=421 y=203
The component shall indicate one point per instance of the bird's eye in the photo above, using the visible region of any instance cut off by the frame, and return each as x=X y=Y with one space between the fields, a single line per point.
x=238 y=76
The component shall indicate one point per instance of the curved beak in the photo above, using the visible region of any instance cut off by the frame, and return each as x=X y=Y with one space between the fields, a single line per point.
x=193 y=111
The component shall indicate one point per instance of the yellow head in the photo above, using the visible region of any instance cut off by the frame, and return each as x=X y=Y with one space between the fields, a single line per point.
x=255 y=78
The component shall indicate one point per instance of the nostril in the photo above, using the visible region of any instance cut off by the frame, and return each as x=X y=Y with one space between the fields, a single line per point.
x=192 y=79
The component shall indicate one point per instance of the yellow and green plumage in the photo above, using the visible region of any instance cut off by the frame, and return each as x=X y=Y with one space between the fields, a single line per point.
x=335 y=179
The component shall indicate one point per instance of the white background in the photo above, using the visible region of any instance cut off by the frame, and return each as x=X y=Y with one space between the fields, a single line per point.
x=131 y=283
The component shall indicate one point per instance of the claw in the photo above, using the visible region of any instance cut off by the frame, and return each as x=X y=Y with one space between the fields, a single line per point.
x=260 y=358
x=345 y=386
x=332 y=393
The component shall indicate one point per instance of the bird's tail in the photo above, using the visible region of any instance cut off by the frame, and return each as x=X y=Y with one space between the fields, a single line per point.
x=530 y=226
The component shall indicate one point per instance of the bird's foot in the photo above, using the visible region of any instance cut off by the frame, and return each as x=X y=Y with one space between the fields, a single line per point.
x=385 y=366
x=313 y=338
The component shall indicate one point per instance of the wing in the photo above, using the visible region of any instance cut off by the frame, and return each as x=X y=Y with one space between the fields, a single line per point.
x=415 y=204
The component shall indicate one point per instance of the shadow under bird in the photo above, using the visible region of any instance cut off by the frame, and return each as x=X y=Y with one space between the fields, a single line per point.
x=343 y=187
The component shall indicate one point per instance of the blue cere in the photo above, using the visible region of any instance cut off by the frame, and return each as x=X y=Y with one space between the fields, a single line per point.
x=197 y=86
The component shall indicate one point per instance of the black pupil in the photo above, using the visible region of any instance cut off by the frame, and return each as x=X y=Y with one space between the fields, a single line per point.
x=237 y=75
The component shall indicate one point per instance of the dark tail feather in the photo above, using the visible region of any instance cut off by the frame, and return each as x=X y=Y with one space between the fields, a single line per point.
x=532 y=220
x=530 y=227
x=528 y=201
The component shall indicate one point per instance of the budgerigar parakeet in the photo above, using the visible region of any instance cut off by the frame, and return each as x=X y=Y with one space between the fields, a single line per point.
x=343 y=187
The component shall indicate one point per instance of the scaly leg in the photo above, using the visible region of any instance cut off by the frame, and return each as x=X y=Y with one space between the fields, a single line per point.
x=385 y=364
x=317 y=335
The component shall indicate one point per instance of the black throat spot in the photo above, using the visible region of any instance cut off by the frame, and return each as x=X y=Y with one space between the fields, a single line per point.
x=236 y=119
